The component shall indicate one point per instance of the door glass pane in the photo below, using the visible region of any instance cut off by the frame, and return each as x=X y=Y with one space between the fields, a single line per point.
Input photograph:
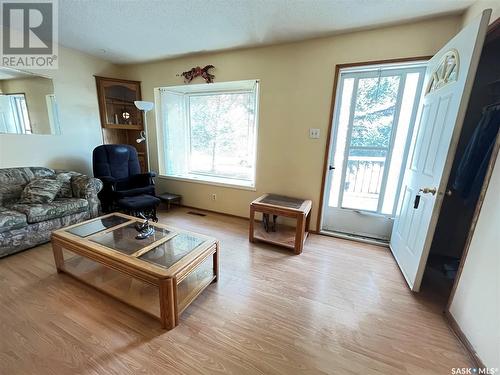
x=340 y=140
x=374 y=111
x=400 y=142
x=363 y=180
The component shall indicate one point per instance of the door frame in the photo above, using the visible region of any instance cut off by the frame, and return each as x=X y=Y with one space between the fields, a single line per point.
x=492 y=34
x=329 y=136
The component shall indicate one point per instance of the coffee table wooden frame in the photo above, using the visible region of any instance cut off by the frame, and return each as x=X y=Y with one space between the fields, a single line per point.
x=165 y=279
x=302 y=214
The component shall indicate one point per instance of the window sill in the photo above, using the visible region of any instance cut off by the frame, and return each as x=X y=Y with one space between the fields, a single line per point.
x=207 y=180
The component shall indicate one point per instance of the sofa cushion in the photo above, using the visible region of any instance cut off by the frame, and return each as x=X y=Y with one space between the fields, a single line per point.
x=10 y=219
x=10 y=193
x=59 y=207
x=40 y=190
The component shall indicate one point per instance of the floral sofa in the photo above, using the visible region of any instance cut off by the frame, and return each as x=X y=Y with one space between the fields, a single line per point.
x=26 y=225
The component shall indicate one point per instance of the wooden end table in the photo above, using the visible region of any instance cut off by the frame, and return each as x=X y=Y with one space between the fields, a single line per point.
x=279 y=205
x=170 y=198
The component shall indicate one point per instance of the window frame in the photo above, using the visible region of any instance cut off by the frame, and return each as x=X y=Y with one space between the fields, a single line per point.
x=22 y=121
x=230 y=87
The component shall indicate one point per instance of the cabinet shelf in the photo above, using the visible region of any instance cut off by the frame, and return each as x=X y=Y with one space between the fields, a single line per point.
x=120 y=103
x=123 y=126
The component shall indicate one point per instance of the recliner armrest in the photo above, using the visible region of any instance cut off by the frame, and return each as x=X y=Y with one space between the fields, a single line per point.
x=109 y=182
x=107 y=179
x=142 y=179
x=147 y=174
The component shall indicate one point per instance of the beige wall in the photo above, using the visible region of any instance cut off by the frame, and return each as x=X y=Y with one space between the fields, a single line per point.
x=478 y=7
x=35 y=89
x=75 y=91
x=476 y=304
x=296 y=94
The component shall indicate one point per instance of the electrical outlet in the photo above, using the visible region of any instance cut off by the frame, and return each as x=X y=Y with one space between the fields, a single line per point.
x=313 y=133
x=214 y=197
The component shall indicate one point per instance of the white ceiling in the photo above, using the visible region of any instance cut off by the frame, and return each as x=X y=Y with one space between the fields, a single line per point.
x=129 y=31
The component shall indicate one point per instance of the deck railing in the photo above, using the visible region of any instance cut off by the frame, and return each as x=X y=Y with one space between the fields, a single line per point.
x=364 y=175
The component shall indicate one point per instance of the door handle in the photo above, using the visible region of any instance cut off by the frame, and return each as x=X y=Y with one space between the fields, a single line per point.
x=427 y=190
x=330 y=167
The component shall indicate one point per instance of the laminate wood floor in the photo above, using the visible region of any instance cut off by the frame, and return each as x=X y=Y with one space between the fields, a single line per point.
x=338 y=308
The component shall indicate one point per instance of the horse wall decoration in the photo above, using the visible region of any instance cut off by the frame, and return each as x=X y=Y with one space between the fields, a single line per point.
x=198 y=72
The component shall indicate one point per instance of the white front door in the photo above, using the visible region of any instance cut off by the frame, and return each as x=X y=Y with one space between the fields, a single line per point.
x=372 y=126
x=448 y=83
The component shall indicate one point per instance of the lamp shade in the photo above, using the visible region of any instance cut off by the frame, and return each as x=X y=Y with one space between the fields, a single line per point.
x=143 y=106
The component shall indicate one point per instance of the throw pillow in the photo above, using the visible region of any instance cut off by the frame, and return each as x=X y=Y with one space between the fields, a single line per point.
x=40 y=190
x=66 y=190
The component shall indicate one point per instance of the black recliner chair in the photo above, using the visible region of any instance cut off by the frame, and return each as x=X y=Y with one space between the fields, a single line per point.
x=117 y=166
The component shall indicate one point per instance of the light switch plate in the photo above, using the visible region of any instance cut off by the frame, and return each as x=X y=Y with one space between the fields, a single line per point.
x=314 y=133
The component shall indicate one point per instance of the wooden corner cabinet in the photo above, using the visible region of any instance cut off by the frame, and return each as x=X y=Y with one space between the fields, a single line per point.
x=121 y=121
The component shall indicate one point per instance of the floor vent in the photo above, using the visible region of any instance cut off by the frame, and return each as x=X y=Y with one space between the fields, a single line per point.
x=196 y=213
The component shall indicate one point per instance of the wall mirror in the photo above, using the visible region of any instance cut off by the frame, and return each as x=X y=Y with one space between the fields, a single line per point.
x=27 y=103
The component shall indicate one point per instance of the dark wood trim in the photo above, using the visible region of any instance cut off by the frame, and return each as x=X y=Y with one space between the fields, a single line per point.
x=455 y=328
x=493 y=31
x=386 y=61
x=332 y=111
x=117 y=79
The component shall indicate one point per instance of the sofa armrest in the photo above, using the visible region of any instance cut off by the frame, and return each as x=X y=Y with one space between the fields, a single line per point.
x=87 y=188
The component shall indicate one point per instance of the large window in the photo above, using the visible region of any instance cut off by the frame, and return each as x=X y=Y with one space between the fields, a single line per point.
x=209 y=132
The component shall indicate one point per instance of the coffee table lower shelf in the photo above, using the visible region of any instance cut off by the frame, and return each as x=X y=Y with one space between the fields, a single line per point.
x=163 y=298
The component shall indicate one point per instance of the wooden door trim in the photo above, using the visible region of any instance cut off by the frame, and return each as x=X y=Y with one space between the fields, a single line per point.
x=475 y=218
x=338 y=67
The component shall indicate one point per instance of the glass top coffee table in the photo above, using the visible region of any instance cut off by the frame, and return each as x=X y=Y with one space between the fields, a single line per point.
x=160 y=275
